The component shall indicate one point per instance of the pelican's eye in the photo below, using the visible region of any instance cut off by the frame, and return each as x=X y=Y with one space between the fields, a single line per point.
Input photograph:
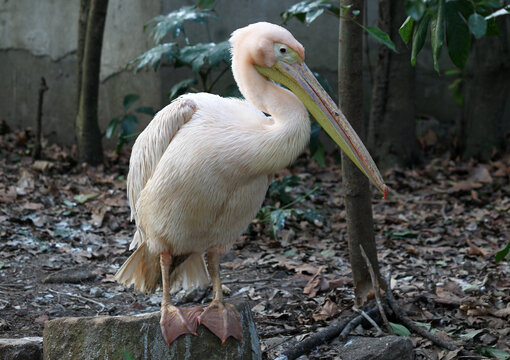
x=284 y=53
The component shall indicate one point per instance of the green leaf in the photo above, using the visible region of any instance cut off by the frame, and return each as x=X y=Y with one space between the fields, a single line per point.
x=406 y=30
x=491 y=352
x=425 y=325
x=400 y=330
x=83 y=198
x=154 y=56
x=437 y=33
x=415 y=8
x=403 y=235
x=180 y=88
x=380 y=36
x=281 y=186
x=419 y=36
x=220 y=53
x=312 y=15
x=492 y=27
x=127 y=355
x=112 y=126
x=309 y=10
x=458 y=38
x=199 y=55
x=503 y=253
x=502 y=11
x=206 y=4
x=313 y=216
x=453 y=72
x=471 y=334
x=456 y=87
x=477 y=25
x=147 y=110
x=129 y=100
x=128 y=126
x=69 y=203
x=277 y=219
x=174 y=21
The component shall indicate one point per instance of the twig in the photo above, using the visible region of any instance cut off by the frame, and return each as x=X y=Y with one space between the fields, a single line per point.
x=316 y=339
x=377 y=288
x=293 y=331
x=449 y=345
x=369 y=319
x=81 y=298
x=246 y=281
x=356 y=321
x=38 y=121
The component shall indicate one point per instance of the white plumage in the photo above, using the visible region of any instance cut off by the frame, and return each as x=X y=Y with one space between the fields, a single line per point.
x=200 y=170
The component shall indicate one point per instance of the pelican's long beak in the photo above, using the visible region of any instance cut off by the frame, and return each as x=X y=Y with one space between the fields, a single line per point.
x=301 y=81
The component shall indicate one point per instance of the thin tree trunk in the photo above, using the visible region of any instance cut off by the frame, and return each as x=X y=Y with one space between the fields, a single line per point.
x=487 y=95
x=88 y=135
x=38 y=121
x=82 y=34
x=356 y=187
x=392 y=125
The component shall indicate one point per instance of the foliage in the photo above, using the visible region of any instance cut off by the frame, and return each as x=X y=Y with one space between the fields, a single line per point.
x=309 y=10
x=503 y=253
x=277 y=215
x=127 y=121
x=400 y=330
x=492 y=352
x=454 y=21
x=201 y=58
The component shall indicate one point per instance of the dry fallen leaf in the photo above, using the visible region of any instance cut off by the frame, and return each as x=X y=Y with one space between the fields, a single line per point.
x=475 y=250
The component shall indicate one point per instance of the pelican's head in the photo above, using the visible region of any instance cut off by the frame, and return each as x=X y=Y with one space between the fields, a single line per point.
x=277 y=55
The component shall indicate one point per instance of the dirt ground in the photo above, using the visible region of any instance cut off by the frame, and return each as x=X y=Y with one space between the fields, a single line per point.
x=65 y=230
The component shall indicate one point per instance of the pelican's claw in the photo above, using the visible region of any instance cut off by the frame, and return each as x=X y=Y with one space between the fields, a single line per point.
x=175 y=322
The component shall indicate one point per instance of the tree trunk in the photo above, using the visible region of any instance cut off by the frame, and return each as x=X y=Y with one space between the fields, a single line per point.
x=487 y=95
x=392 y=125
x=82 y=34
x=88 y=135
x=356 y=187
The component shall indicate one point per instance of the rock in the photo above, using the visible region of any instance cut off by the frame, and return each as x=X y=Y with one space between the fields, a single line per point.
x=29 y=348
x=70 y=276
x=139 y=337
x=383 y=348
x=96 y=292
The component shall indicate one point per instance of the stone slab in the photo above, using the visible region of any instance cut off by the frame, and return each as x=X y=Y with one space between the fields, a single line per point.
x=139 y=337
x=28 y=348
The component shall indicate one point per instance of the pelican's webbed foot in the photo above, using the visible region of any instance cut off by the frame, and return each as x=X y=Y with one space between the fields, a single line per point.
x=223 y=320
x=176 y=321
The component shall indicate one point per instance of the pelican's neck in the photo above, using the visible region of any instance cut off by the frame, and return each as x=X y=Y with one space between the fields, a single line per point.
x=282 y=142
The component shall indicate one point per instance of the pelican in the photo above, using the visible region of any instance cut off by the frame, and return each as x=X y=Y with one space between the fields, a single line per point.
x=200 y=170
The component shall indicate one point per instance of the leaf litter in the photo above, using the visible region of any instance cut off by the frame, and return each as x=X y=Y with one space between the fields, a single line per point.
x=65 y=230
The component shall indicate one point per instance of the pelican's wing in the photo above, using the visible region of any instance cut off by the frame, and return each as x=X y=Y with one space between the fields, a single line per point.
x=150 y=146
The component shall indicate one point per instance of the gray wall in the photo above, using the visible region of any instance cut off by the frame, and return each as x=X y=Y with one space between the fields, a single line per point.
x=38 y=38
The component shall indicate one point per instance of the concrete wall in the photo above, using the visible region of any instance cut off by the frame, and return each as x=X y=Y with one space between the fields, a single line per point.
x=38 y=38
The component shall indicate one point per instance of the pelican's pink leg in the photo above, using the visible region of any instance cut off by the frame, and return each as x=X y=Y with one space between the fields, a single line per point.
x=174 y=322
x=222 y=319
